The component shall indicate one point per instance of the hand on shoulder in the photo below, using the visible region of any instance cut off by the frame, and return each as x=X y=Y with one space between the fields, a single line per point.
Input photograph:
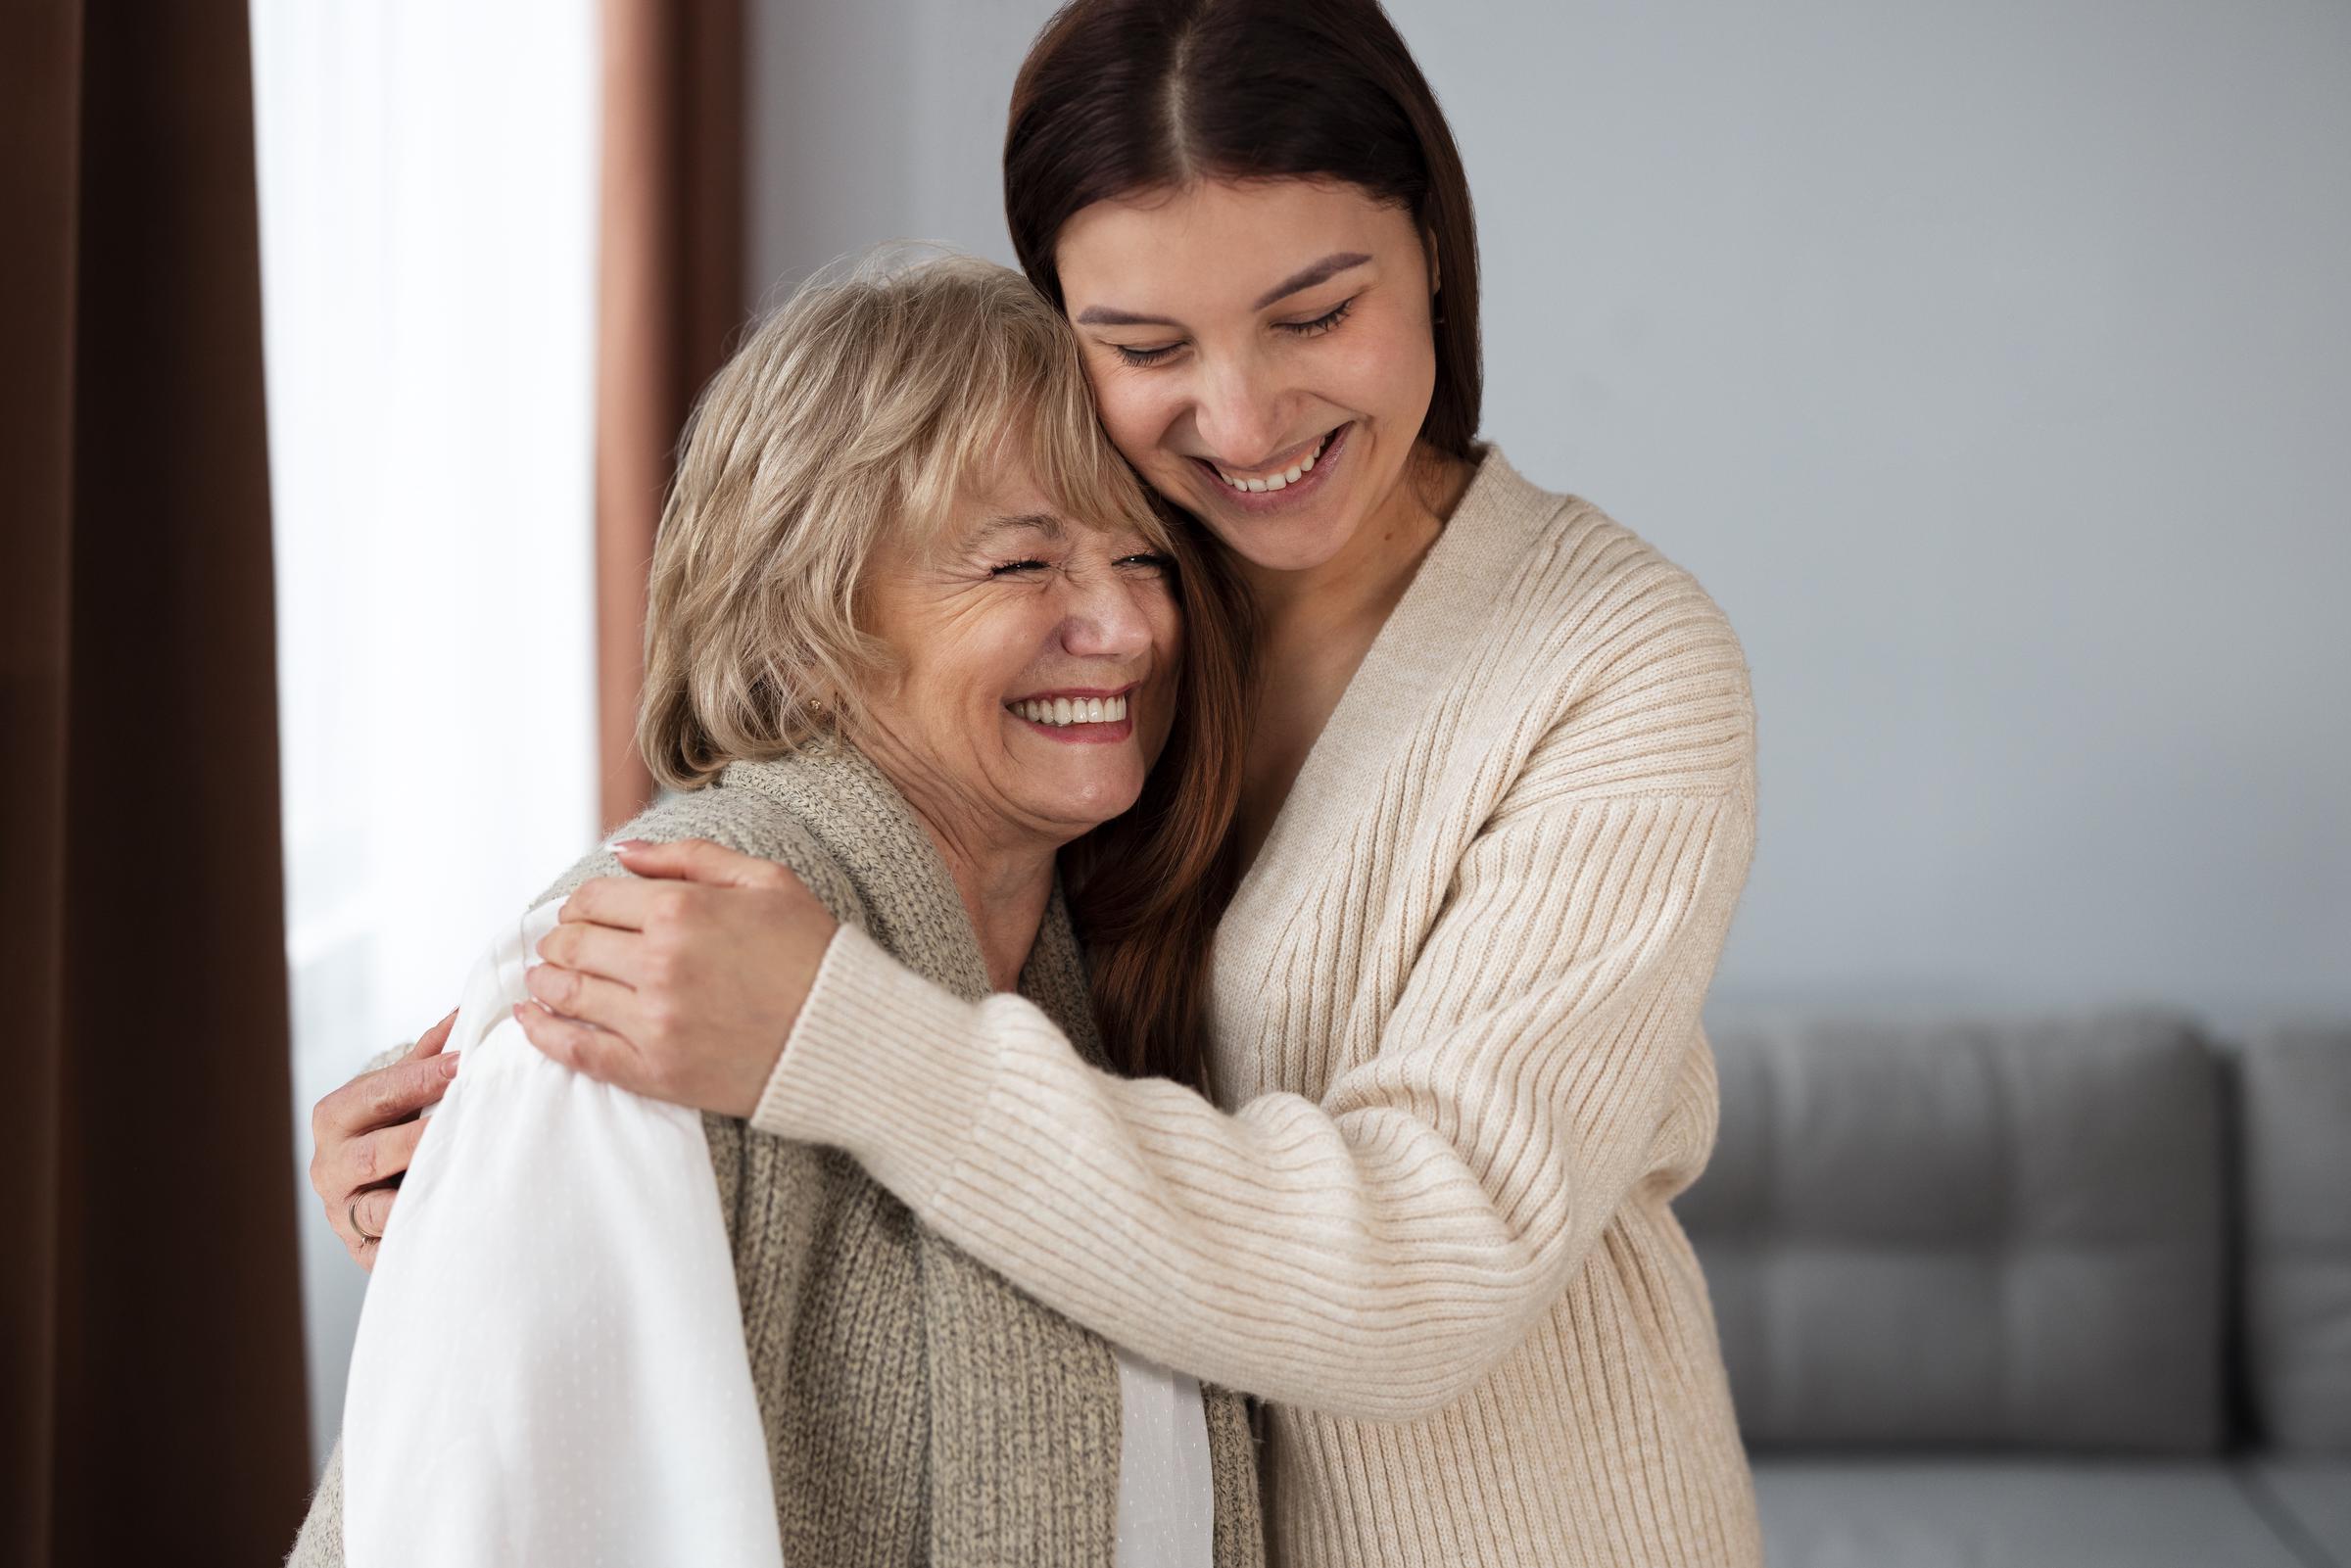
x=682 y=980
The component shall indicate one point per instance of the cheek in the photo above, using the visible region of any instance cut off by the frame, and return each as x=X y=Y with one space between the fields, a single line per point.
x=1133 y=415
x=949 y=684
x=1393 y=371
x=1167 y=630
x=906 y=704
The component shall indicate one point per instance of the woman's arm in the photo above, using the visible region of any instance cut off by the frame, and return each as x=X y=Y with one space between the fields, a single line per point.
x=1371 y=1254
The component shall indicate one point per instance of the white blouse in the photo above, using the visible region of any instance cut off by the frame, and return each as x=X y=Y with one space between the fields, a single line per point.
x=552 y=1347
x=1167 y=1492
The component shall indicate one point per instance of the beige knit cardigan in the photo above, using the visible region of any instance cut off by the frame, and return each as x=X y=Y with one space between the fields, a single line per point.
x=1456 y=1034
x=917 y=1408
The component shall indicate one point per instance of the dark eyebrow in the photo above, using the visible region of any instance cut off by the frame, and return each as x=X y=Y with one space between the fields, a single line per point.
x=1103 y=316
x=1323 y=272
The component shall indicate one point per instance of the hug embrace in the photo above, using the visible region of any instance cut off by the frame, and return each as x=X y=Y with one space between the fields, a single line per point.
x=1178 y=913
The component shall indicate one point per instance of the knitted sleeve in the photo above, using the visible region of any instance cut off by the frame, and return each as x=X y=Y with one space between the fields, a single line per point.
x=1369 y=1255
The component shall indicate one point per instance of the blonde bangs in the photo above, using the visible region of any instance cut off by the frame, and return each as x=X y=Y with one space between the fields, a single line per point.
x=1015 y=398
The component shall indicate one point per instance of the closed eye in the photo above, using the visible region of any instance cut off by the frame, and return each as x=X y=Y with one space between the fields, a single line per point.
x=1314 y=328
x=1016 y=566
x=1321 y=323
x=1145 y=355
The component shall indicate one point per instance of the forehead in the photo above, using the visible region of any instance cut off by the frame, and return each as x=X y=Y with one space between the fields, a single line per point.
x=1219 y=243
x=1003 y=502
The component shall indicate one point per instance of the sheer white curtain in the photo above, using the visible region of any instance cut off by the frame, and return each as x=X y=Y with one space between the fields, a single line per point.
x=427 y=177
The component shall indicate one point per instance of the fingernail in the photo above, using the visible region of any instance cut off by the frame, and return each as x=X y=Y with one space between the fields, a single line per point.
x=621 y=846
x=448 y=1065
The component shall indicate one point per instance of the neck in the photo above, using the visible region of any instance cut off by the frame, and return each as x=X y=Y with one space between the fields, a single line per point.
x=1367 y=575
x=1002 y=868
x=1005 y=881
x=1006 y=895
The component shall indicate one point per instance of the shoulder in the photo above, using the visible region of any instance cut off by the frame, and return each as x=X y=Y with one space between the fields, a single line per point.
x=743 y=820
x=1594 y=588
x=1635 y=669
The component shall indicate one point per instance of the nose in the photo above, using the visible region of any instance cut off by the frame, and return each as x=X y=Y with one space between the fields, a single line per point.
x=1106 y=617
x=1239 y=411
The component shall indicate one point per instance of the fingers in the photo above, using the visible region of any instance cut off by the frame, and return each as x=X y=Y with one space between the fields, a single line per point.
x=373 y=1208
x=584 y=1048
x=697 y=860
x=360 y=1175
x=626 y=903
x=357 y=1164
x=366 y=1132
x=433 y=1039
x=359 y=1221
x=584 y=998
x=603 y=950
x=361 y=1248
x=380 y=1097
x=366 y=1135
x=663 y=883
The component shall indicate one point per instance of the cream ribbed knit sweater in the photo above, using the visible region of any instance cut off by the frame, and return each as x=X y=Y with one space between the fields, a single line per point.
x=1456 y=1041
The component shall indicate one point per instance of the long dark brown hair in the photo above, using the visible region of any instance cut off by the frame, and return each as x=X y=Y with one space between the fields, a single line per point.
x=1122 y=96
x=1147 y=889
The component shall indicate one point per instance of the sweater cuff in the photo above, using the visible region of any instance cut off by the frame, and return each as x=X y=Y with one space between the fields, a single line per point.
x=883 y=1064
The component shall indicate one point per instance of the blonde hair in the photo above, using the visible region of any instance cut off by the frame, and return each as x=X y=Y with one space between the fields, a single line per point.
x=860 y=408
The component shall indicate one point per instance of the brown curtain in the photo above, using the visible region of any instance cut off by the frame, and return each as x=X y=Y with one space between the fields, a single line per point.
x=670 y=296
x=150 y=1311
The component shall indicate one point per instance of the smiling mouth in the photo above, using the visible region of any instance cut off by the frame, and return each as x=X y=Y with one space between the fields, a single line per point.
x=1095 y=716
x=1301 y=473
x=1061 y=713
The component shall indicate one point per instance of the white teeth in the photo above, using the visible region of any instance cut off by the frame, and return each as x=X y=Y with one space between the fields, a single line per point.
x=1062 y=711
x=1289 y=476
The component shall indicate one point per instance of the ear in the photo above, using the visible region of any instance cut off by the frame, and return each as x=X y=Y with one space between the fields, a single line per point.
x=1436 y=274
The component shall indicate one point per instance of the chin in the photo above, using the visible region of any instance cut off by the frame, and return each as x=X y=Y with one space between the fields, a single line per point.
x=1093 y=801
x=1284 y=544
x=1281 y=543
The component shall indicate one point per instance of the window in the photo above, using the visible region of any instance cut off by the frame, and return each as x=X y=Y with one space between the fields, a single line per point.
x=427 y=193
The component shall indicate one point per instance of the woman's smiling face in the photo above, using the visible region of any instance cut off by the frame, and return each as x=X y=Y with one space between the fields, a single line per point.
x=1037 y=659
x=1261 y=351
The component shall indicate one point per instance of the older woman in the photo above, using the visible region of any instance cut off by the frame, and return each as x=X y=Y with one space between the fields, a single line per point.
x=914 y=630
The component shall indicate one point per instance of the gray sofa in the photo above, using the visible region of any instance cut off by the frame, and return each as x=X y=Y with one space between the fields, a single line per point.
x=2008 y=1295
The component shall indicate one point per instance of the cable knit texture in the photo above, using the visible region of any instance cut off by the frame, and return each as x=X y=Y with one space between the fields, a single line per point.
x=917 y=1408
x=1460 y=1070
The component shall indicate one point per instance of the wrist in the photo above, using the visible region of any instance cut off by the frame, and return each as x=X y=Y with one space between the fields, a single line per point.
x=801 y=966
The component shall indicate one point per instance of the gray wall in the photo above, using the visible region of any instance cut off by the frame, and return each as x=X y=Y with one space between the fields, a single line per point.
x=1992 y=366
